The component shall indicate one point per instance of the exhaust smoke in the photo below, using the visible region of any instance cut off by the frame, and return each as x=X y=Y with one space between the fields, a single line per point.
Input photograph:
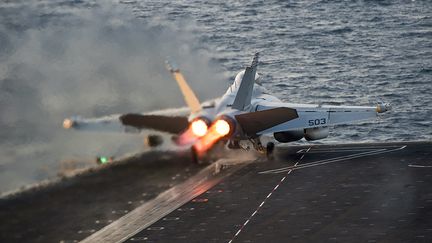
x=89 y=60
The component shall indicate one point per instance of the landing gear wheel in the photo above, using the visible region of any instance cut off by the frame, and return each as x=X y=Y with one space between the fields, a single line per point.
x=270 y=151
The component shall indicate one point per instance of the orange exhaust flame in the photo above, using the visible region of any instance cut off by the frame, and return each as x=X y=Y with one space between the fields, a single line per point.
x=222 y=127
x=186 y=138
x=197 y=129
x=218 y=130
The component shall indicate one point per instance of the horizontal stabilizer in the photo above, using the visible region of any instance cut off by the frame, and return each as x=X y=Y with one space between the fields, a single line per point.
x=254 y=122
x=170 y=124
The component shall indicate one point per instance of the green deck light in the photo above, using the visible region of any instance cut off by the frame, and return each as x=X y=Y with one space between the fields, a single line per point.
x=103 y=160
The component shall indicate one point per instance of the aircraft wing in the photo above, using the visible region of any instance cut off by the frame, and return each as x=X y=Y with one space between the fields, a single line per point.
x=277 y=117
x=172 y=121
x=252 y=123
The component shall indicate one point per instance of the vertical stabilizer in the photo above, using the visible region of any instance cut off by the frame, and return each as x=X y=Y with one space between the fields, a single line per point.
x=188 y=94
x=244 y=94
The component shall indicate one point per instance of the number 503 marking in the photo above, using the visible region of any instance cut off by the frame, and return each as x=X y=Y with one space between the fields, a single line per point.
x=317 y=122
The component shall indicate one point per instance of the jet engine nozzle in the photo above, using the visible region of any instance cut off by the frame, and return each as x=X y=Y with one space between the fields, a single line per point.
x=225 y=126
x=199 y=126
x=222 y=127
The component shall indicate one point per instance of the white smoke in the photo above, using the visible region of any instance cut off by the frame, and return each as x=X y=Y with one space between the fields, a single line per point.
x=89 y=60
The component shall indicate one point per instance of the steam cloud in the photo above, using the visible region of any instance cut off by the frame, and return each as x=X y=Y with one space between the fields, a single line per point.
x=87 y=60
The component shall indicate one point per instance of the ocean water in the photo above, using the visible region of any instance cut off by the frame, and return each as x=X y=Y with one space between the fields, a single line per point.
x=92 y=58
x=332 y=52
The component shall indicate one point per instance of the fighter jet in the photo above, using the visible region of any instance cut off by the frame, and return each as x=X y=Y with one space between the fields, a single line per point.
x=238 y=120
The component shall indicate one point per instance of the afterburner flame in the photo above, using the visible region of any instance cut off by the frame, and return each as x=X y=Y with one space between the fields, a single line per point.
x=218 y=130
x=186 y=138
x=199 y=128
x=222 y=127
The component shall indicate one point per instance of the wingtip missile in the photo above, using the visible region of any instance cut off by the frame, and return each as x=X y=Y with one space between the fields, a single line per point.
x=68 y=123
x=383 y=107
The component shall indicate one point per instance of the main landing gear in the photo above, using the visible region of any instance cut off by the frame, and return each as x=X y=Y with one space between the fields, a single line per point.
x=270 y=150
x=218 y=150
